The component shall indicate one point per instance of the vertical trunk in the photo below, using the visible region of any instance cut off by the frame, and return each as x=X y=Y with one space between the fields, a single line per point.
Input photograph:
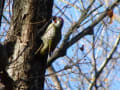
x=29 y=18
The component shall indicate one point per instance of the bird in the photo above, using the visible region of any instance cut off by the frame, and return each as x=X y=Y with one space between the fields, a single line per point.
x=52 y=36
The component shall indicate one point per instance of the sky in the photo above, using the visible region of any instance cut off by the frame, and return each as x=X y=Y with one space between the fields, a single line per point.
x=73 y=15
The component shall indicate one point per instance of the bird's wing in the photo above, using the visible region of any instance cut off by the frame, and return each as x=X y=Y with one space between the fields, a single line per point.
x=49 y=27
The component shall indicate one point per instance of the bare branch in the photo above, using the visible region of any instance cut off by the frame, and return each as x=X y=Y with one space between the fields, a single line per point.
x=104 y=63
x=2 y=2
x=55 y=78
x=66 y=44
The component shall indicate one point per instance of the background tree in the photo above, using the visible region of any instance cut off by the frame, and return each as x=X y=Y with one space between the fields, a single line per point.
x=86 y=58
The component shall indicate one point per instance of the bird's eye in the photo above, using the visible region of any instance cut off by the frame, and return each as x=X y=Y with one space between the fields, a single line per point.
x=55 y=19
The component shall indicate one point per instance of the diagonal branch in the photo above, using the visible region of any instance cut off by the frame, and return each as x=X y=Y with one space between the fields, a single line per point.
x=66 y=44
x=104 y=63
x=2 y=2
x=55 y=78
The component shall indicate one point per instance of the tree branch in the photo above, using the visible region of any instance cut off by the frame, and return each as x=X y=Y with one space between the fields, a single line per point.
x=2 y=2
x=55 y=78
x=66 y=44
x=104 y=63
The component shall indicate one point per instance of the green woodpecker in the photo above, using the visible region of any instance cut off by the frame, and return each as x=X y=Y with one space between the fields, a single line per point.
x=52 y=36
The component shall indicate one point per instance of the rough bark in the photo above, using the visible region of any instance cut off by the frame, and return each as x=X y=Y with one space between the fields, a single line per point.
x=29 y=20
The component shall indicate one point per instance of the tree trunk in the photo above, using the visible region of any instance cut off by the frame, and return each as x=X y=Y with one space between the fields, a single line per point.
x=29 y=20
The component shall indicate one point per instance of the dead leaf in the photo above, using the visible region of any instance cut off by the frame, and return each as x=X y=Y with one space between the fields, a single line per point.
x=110 y=15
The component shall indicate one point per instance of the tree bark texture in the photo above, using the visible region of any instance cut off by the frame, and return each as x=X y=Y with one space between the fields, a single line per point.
x=29 y=20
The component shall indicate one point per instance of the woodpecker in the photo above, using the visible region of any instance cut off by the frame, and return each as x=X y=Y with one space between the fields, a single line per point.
x=52 y=36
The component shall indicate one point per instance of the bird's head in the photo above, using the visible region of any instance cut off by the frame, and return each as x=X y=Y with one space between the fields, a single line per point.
x=58 y=21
